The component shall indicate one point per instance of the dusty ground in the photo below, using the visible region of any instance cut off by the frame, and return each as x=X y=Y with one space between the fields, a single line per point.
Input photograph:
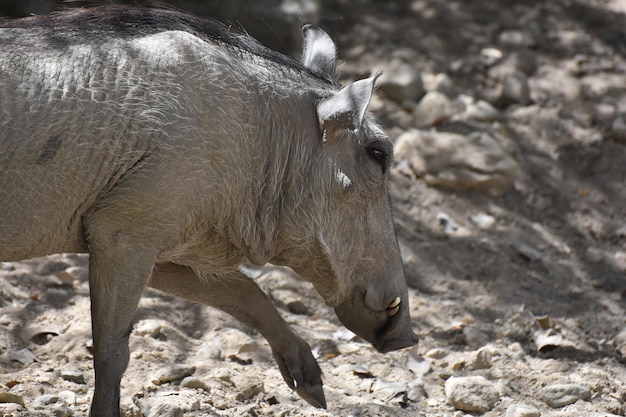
x=534 y=296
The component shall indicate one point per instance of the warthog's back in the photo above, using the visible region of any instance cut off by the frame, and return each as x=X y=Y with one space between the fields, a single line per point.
x=83 y=104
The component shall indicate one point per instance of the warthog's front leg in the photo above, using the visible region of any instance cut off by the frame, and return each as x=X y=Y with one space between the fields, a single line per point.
x=242 y=298
x=117 y=278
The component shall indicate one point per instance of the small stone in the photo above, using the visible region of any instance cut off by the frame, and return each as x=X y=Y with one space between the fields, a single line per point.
x=6 y=397
x=439 y=82
x=482 y=111
x=386 y=390
x=211 y=349
x=472 y=393
x=51 y=267
x=76 y=377
x=417 y=364
x=128 y=408
x=560 y=395
x=415 y=391
x=483 y=220
x=165 y=410
x=522 y=410
x=437 y=353
x=23 y=356
x=516 y=38
x=401 y=81
x=514 y=90
x=475 y=337
x=489 y=56
x=618 y=129
x=172 y=373
x=298 y=307
x=523 y=60
x=69 y=397
x=62 y=411
x=527 y=252
x=195 y=383
x=149 y=327
x=78 y=273
x=433 y=108
x=446 y=222
x=347 y=348
x=7 y=266
x=482 y=360
x=460 y=162
x=248 y=387
x=48 y=400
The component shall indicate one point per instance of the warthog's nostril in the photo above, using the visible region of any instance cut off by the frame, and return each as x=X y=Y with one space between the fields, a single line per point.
x=393 y=307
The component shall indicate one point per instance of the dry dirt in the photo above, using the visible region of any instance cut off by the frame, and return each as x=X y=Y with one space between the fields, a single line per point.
x=535 y=296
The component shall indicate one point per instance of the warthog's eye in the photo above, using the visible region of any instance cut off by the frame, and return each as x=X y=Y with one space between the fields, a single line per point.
x=378 y=153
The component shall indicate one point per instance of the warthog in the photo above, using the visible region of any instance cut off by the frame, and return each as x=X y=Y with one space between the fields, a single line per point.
x=172 y=150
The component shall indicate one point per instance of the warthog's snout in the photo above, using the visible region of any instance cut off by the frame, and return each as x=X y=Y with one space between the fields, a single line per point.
x=386 y=326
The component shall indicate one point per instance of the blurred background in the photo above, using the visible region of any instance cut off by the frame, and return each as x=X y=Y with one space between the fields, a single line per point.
x=276 y=23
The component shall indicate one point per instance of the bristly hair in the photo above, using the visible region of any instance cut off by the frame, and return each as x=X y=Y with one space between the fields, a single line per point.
x=122 y=21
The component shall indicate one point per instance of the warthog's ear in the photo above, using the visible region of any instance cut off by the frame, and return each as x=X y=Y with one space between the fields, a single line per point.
x=346 y=108
x=319 y=52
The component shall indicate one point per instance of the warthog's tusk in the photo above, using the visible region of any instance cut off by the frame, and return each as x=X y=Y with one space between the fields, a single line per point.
x=393 y=307
x=394 y=303
x=392 y=311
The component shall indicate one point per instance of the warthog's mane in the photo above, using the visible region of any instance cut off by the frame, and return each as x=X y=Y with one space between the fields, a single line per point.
x=131 y=21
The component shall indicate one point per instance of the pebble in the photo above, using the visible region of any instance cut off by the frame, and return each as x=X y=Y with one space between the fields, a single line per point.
x=527 y=252
x=128 y=408
x=522 y=60
x=76 y=377
x=7 y=266
x=73 y=273
x=472 y=393
x=401 y=81
x=195 y=383
x=211 y=349
x=489 y=56
x=347 y=348
x=514 y=90
x=516 y=38
x=482 y=111
x=387 y=390
x=149 y=327
x=248 y=386
x=522 y=410
x=475 y=337
x=6 y=397
x=172 y=373
x=298 y=307
x=560 y=395
x=618 y=129
x=416 y=392
x=165 y=410
x=460 y=162
x=68 y=396
x=482 y=359
x=417 y=364
x=54 y=404
x=439 y=82
x=23 y=356
x=433 y=108
x=48 y=400
x=483 y=220
x=437 y=353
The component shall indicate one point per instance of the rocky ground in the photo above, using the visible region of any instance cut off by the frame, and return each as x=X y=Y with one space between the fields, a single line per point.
x=509 y=121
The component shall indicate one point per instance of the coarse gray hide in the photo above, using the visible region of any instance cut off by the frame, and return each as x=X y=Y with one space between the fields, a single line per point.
x=173 y=150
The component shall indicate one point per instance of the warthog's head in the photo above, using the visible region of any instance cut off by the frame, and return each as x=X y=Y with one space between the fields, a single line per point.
x=352 y=257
